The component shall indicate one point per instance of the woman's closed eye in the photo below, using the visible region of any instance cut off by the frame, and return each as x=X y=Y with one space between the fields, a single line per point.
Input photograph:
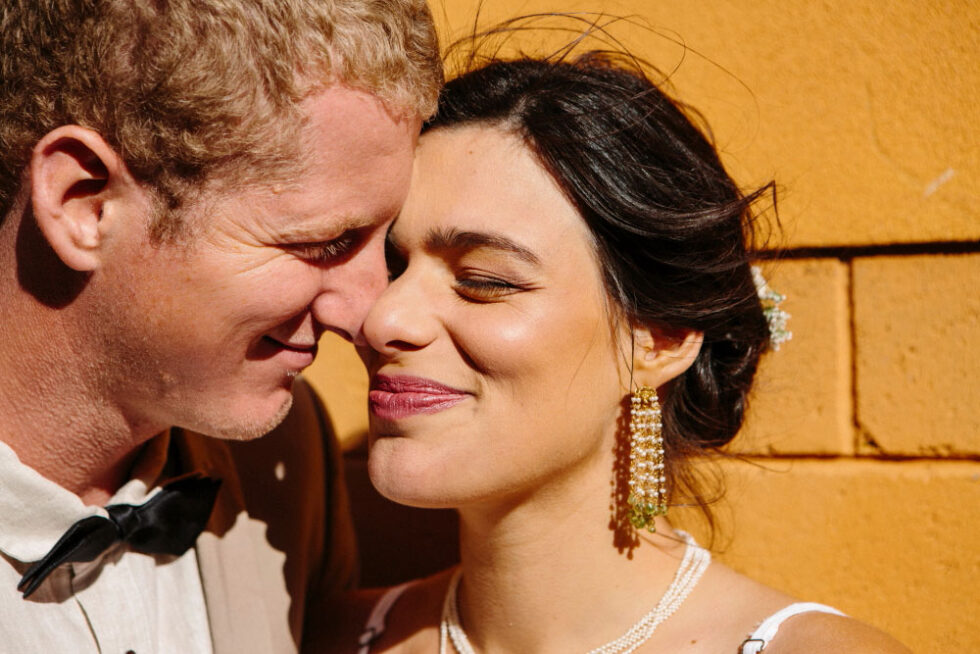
x=485 y=288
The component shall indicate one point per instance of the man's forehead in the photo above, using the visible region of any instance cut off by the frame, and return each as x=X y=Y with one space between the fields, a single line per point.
x=356 y=128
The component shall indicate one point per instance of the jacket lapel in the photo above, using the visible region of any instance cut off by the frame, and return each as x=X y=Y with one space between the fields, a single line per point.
x=241 y=573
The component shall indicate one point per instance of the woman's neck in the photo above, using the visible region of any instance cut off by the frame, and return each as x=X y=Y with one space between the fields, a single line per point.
x=546 y=576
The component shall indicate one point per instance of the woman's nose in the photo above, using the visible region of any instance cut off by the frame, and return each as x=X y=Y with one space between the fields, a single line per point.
x=402 y=319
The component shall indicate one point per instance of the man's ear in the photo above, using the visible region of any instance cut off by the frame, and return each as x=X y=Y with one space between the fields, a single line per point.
x=75 y=176
x=660 y=355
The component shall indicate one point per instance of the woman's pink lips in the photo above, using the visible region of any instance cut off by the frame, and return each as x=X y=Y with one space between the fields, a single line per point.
x=392 y=398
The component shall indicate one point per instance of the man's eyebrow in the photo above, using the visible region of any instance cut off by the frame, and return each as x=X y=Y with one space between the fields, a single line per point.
x=322 y=231
x=441 y=239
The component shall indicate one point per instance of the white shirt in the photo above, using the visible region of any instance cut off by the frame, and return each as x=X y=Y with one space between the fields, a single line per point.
x=124 y=601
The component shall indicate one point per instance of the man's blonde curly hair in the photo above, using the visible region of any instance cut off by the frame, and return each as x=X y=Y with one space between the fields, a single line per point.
x=187 y=90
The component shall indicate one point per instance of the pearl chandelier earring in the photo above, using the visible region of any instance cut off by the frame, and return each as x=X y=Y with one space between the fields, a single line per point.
x=648 y=481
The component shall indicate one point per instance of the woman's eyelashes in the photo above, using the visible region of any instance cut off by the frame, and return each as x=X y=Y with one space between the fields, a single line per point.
x=484 y=288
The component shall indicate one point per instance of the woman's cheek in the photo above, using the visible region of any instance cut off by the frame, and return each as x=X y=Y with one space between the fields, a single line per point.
x=499 y=345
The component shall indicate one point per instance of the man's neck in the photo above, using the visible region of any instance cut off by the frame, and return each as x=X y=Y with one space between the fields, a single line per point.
x=91 y=460
x=63 y=431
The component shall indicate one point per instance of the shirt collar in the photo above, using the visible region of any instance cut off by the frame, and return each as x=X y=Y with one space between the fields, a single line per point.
x=35 y=511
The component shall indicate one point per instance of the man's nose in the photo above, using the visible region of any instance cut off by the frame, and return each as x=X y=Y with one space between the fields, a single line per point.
x=348 y=290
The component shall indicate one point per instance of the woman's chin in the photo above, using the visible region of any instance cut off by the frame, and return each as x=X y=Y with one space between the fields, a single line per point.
x=415 y=500
x=409 y=480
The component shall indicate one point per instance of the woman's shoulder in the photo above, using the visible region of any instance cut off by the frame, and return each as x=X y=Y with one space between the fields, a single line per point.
x=826 y=632
x=743 y=609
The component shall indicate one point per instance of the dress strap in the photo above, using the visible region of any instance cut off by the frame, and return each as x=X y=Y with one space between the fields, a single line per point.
x=375 y=625
x=767 y=630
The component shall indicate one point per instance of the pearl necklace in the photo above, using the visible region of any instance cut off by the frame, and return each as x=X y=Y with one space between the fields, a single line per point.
x=695 y=562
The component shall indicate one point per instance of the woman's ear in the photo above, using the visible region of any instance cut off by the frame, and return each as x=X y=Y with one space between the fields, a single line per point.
x=74 y=176
x=661 y=355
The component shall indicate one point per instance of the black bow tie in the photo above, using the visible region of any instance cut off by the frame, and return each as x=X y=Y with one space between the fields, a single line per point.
x=168 y=523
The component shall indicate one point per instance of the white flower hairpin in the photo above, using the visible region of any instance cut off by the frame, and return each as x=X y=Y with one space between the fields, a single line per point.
x=775 y=316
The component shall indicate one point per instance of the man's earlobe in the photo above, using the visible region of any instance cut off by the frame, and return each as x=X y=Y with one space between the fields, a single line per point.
x=659 y=355
x=72 y=171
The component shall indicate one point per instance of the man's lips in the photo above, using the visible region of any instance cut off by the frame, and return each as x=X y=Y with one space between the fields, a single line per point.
x=294 y=355
x=394 y=397
x=296 y=347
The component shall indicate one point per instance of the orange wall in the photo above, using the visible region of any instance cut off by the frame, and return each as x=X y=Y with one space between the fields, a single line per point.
x=864 y=483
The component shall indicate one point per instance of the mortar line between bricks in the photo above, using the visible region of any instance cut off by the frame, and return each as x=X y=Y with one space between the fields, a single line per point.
x=848 y=252
x=852 y=388
x=856 y=433
x=878 y=458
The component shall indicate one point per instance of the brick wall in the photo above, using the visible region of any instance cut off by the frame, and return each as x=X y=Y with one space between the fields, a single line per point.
x=862 y=485
x=862 y=481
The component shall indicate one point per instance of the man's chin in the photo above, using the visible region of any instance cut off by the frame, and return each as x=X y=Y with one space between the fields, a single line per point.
x=246 y=426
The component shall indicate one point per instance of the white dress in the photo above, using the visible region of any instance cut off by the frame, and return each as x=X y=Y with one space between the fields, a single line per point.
x=755 y=643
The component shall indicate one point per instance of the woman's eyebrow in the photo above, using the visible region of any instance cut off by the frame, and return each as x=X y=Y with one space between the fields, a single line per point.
x=443 y=239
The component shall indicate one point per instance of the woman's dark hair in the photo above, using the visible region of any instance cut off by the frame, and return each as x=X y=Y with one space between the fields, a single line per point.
x=671 y=229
